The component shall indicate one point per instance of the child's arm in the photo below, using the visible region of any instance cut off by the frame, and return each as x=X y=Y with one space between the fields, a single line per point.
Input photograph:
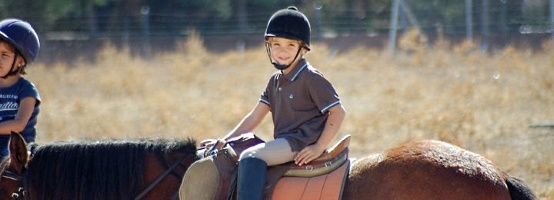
x=26 y=107
x=332 y=126
x=250 y=121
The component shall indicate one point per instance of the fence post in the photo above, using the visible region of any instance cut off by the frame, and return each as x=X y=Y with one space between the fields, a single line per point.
x=393 y=26
x=485 y=22
x=145 y=20
x=469 y=20
x=551 y=6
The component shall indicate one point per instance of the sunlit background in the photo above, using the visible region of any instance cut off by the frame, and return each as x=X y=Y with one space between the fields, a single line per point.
x=478 y=74
x=69 y=29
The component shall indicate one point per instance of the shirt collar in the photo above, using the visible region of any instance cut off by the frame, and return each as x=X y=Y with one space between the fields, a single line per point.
x=302 y=64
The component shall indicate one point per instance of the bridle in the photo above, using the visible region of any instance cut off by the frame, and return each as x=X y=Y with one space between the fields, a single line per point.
x=20 y=192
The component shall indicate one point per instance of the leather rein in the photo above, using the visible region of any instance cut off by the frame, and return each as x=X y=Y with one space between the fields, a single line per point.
x=162 y=176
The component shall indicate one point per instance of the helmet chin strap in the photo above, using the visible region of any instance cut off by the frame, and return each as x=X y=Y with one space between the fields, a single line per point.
x=276 y=64
x=12 y=71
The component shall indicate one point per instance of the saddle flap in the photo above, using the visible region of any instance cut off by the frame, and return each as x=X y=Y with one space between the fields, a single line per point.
x=201 y=175
x=326 y=187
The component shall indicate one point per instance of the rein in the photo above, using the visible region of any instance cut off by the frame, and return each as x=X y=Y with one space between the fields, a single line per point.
x=161 y=177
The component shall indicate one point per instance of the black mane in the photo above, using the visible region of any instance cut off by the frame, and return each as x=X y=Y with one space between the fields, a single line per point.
x=107 y=169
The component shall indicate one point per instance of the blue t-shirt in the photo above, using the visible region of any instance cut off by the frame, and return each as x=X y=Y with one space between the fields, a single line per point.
x=10 y=98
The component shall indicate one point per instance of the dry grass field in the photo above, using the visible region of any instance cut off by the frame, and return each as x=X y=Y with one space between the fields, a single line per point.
x=483 y=102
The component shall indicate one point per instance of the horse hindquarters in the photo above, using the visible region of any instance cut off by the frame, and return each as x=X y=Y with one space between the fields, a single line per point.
x=383 y=177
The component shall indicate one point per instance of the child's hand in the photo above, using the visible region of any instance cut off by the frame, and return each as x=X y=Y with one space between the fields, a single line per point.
x=207 y=143
x=308 y=154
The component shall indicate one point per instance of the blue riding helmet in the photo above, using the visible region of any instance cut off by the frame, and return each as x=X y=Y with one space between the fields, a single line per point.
x=22 y=36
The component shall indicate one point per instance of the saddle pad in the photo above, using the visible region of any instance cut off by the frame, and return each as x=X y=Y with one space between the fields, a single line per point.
x=324 y=187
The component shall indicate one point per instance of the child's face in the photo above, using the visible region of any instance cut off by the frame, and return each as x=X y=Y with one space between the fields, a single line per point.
x=284 y=50
x=7 y=53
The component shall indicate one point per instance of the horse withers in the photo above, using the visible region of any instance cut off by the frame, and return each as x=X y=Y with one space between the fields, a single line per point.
x=109 y=169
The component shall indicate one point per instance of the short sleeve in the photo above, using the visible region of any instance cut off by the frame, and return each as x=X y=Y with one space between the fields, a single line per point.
x=30 y=90
x=323 y=93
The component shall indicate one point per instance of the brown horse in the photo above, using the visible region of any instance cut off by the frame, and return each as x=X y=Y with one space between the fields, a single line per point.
x=418 y=170
x=431 y=170
x=109 y=169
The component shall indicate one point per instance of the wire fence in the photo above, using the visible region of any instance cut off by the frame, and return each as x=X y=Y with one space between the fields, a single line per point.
x=144 y=31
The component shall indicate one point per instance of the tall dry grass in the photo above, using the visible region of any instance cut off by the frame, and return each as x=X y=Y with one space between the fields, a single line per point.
x=483 y=102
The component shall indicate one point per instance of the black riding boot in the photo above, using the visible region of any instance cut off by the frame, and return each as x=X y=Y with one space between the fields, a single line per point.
x=251 y=178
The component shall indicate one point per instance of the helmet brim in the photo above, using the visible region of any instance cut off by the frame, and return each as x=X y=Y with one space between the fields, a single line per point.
x=307 y=46
x=4 y=37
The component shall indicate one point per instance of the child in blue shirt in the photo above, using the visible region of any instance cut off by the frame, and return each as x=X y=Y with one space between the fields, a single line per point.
x=19 y=98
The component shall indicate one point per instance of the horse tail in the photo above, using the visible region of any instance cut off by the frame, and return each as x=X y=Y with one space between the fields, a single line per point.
x=519 y=190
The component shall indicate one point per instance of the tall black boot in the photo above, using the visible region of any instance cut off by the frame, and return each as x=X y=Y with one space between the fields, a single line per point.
x=251 y=178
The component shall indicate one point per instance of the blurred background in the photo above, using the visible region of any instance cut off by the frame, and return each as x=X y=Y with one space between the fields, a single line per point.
x=151 y=26
x=474 y=73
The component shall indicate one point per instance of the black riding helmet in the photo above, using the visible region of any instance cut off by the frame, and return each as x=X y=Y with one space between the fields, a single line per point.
x=291 y=24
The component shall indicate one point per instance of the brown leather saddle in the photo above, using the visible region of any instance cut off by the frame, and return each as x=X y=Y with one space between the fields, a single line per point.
x=322 y=178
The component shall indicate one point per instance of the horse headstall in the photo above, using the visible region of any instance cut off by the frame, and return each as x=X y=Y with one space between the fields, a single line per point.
x=20 y=193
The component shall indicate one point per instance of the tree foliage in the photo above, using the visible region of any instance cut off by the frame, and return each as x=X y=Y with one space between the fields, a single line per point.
x=175 y=17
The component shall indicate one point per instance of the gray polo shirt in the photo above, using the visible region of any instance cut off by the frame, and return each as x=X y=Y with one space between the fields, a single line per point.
x=299 y=103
